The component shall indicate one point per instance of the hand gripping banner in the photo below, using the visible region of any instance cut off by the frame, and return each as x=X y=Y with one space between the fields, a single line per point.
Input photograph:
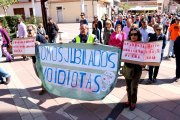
x=78 y=71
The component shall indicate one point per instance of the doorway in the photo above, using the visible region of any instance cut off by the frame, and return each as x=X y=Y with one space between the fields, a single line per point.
x=19 y=11
x=59 y=14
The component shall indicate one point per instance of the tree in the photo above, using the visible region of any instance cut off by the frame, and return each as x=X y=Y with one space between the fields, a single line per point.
x=125 y=7
x=6 y=3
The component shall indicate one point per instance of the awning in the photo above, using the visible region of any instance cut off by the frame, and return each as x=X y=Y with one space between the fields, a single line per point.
x=144 y=8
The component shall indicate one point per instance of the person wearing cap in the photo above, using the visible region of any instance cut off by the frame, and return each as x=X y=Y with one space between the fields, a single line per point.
x=146 y=30
x=121 y=21
x=83 y=19
x=99 y=25
x=174 y=32
x=52 y=30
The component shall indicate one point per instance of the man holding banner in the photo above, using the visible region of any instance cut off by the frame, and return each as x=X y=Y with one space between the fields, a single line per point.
x=85 y=36
x=39 y=40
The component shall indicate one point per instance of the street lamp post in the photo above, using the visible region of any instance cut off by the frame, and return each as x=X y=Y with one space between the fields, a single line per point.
x=82 y=5
x=34 y=11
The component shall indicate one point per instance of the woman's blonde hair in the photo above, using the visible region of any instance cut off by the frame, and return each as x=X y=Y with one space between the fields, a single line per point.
x=109 y=23
x=134 y=26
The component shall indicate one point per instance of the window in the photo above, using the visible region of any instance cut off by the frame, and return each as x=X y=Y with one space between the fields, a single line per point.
x=31 y=12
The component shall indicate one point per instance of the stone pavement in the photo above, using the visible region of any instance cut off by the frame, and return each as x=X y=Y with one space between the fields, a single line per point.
x=20 y=100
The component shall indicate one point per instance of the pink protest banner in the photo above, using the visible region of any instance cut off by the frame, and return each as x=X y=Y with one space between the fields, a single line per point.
x=23 y=46
x=148 y=53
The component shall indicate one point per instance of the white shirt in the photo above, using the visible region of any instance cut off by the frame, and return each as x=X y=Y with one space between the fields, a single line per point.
x=117 y=36
x=145 y=33
x=22 y=31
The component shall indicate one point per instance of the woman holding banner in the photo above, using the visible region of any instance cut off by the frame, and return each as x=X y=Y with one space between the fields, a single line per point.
x=135 y=70
x=117 y=38
x=158 y=35
x=6 y=43
x=40 y=39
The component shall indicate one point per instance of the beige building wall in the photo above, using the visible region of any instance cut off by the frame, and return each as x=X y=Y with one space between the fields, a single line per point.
x=1 y=12
x=71 y=10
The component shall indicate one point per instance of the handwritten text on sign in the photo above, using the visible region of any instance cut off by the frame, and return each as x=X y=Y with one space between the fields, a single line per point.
x=142 y=52
x=82 y=64
x=23 y=46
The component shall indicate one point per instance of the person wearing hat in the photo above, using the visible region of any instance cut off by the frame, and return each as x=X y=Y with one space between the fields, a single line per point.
x=174 y=32
x=52 y=30
x=99 y=25
x=145 y=30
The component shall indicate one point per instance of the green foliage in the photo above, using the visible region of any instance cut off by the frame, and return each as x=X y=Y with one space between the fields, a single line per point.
x=12 y=35
x=125 y=7
x=4 y=23
x=12 y=22
x=30 y=20
x=6 y=3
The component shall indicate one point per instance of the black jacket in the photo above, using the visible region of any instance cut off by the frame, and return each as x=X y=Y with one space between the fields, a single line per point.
x=42 y=40
x=99 y=24
x=177 y=47
x=52 y=30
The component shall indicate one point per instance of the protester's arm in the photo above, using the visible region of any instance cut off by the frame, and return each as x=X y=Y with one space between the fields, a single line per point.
x=98 y=34
x=96 y=40
x=100 y=25
x=73 y=41
x=169 y=35
x=176 y=45
x=56 y=27
x=44 y=31
x=86 y=21
x=110 y=40
x=7 y=36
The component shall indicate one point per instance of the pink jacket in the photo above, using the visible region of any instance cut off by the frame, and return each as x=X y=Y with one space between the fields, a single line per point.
x=117 y=42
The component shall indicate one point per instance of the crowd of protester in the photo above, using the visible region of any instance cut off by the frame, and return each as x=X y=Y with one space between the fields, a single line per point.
x=113 y=32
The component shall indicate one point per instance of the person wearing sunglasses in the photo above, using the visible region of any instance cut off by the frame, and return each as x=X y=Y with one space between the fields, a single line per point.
x=132 y=84
x=40 y=39
x=83 y=19
x=158 y=35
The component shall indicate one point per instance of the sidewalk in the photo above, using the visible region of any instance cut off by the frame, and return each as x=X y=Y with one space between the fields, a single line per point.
x=20 y=100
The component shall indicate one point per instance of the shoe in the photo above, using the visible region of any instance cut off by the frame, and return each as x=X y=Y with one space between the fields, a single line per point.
x=168 y=56
x=173 y=56
x=154 y=80
x=132 y=107
x=149 y=82
x=42 y=92
x=176 y=79
x=8 y=79
x=126 y=105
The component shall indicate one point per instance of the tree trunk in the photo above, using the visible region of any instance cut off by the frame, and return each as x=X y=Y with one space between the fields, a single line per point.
x=5 y=10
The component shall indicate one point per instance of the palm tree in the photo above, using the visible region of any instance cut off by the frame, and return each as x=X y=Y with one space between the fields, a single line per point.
x=125 y=7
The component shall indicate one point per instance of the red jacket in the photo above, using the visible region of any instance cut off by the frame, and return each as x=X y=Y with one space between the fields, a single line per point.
x=119 y=41
x=5 y=36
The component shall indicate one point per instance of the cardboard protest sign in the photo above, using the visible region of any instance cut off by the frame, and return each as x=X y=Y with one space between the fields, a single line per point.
x=137 y=52
x=79 y=71
x=23 y=46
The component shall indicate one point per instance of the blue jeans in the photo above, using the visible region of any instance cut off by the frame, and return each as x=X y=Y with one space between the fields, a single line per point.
x=2 y=72
x=171 y=51
x=52 y=40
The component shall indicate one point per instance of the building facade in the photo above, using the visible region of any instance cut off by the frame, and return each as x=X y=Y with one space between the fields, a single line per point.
x=24 y=8
x=69 y=10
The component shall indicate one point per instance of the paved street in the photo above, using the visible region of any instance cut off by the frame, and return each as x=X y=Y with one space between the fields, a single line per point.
x=20 y=100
